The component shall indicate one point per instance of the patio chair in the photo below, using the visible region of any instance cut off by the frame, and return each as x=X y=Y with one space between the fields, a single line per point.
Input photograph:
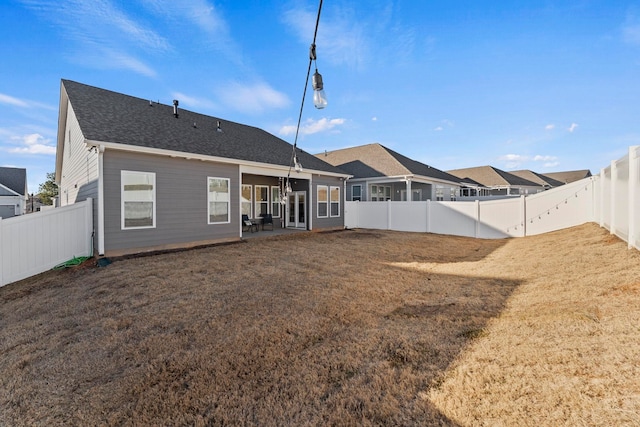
x=267 y=219
x=246 y=222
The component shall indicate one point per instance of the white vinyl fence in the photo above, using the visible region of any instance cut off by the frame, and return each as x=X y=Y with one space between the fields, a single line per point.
x=611 y=199
x=34 y=243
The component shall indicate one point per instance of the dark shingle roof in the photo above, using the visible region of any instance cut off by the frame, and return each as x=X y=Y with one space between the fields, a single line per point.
x=14 y=179
x=376 y=160
x=108 y=116
x=491 y=177
x=569 y=176
x=538 y=178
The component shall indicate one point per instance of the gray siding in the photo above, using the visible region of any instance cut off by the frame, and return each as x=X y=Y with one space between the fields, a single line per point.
x=181 y=202
x=329 y=222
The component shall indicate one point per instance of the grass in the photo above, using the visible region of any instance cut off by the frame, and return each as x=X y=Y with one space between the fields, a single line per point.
x=349 y=328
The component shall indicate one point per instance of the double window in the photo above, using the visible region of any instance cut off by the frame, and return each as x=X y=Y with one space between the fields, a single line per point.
x=328 y=201
x=138 y=195
x=380 y=193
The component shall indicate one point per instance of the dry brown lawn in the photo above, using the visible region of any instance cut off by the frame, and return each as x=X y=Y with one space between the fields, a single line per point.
x=349 y=328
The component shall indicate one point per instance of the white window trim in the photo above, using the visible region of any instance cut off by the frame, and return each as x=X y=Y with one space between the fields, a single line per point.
x=122 y=201
x=318 y=201
x=332 y=202
x=228 y=201
x=257 y=203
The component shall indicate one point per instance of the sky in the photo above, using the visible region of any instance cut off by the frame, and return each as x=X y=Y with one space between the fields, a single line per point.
x=542 y=85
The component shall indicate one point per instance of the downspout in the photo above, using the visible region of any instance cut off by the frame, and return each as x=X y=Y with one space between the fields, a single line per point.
x=101 y=200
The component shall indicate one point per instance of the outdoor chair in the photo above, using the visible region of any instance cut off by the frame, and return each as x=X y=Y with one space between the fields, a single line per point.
x=267 y=219
x=246 y=222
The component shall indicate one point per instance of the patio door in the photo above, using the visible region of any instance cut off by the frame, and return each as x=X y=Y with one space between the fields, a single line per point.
x=297 y=209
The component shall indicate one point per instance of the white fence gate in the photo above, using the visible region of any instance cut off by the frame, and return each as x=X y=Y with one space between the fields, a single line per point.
x=34 y=243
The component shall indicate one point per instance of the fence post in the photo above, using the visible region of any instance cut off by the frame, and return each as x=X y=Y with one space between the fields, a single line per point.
x=1 y=256
x=428 y=215
x=602 y=196
x=633 y=195
x=612 y=195
x=477 y=227
x=523 y=214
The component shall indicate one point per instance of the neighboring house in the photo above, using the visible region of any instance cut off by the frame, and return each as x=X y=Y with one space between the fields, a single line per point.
x=540 y=179
x=569 y=176
x=381 y=174
x=162 y=177
x=13 y=192
x=498 y=182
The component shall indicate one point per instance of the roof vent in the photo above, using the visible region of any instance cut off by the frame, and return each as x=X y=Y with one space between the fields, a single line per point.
x=175 y=108
x=218 y=128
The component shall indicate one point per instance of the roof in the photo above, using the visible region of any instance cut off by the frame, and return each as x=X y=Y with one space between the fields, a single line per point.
x=107 y=116
x=569 y=176
x=538 y=178
x=15 y=179
x=490 y=176
x=376 y=160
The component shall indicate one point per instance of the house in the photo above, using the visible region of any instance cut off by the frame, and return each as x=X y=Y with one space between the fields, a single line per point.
x=567 y=177
x=13 y=192
x=162 y=177
x=498 y=182
x=381 y=174
x=540 y=179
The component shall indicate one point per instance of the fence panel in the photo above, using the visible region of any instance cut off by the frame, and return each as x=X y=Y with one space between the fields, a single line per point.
x=605 y=199
x=634 y=197
x=501 y=218
x=455 y=218
x=620 y=214
x=34 y=243
x=562 y=207
x=408 y=216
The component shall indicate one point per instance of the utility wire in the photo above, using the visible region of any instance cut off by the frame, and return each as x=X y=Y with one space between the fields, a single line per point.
x=312 y=57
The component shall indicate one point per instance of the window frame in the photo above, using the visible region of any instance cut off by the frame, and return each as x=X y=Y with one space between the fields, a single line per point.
x=359 y=197
x=324 y=202
x=332 y=202
x=228 y=201
x=275 y=201
x=249 y=203
x=257 y=203
x=123 y=219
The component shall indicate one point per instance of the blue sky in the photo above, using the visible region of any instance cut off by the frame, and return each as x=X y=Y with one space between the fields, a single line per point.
x=541 y=85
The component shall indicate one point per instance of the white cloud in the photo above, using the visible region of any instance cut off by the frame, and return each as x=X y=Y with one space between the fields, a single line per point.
x=33 y=144
x=311 y=126
x=252 y=99
x=374 y=119
x=550 y=127
x=539 y=158
x=573 y=127
x=438 y=129
x=6 y=99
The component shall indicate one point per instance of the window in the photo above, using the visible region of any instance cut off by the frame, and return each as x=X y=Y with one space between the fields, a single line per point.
x=356 y=193
x=246 y=201
x=452 y=194
x=138 y=199
x=380 y=193
x=219 y=200
x=322 y=201
x=439 y=193
x=275 y=202
x=335 y=201
x=262 y=200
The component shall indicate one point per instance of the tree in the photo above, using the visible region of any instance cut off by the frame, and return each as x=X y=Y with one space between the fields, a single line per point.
x=48 y=190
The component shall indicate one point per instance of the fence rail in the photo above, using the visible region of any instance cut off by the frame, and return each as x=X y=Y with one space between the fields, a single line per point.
x=611 y=199
x=34 y=243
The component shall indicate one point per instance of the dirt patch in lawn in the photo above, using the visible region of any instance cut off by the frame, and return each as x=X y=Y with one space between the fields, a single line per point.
x=350 y=328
